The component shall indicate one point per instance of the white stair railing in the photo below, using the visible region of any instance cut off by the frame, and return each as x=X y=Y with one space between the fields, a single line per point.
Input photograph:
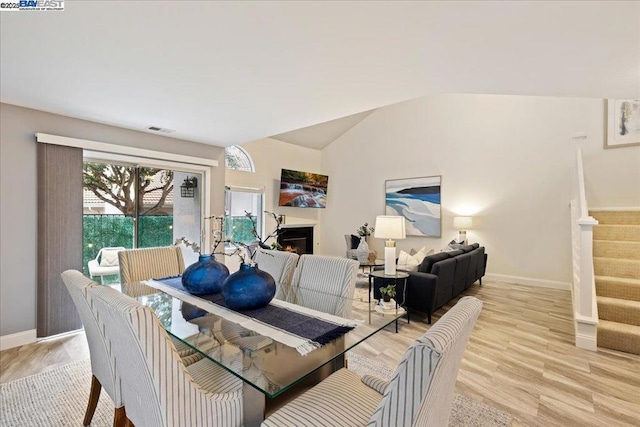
x=583 y=291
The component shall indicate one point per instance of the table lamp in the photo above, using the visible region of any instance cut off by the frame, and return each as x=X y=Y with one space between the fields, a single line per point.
x=462 y=223
x=389 y=227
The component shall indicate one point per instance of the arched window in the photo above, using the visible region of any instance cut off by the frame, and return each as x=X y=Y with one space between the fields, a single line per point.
x=237 y=158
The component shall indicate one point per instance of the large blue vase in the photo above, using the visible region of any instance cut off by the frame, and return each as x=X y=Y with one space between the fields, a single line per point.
x=205 y=276
x=248 y=288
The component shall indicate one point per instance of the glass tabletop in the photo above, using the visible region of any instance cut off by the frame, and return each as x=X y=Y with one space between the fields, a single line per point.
x=264 y=363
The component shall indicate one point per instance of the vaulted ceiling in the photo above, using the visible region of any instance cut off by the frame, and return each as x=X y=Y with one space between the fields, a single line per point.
x=224 y=73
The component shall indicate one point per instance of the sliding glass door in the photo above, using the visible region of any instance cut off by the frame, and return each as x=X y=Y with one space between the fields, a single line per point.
x=135 y=206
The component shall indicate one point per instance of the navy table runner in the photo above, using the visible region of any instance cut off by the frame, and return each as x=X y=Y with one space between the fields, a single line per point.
x=311 y=328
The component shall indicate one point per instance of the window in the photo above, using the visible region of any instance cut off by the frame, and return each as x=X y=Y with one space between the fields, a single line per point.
x=237 y=158
x=239 y=201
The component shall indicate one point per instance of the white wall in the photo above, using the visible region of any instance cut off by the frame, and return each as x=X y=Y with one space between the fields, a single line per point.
x=270 y=156
x=506 y=160
x=19 y=198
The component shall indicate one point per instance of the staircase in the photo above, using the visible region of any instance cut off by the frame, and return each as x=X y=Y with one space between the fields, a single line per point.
x=616 y=263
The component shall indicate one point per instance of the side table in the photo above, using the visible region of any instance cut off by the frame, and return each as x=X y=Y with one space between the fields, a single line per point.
x=376 y=263
x=399 y=280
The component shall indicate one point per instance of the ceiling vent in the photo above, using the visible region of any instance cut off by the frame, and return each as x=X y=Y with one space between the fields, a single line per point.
x=158 y=129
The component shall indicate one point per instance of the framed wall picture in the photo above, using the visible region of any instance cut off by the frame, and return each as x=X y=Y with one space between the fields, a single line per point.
x=622 y=122
x=418 y=201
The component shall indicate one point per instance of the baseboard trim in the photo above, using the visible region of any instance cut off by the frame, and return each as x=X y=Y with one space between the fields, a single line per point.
x=587 y=342
x=633 y=208
x=17 y=339
x=528 y=281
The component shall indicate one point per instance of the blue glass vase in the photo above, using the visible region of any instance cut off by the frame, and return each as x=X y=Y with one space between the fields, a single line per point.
x=205 y=276
x=248 y=288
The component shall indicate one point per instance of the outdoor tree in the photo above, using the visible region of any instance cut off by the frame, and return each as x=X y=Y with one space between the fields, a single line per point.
x=115 y=185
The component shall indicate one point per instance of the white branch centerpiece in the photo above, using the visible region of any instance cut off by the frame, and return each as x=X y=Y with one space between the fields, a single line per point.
x=246 y=289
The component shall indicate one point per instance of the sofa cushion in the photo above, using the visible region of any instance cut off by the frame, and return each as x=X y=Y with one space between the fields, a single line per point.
x=475 y=245
x=462 y=267
x=427 y=263
x=467 y=249
x=455 y=253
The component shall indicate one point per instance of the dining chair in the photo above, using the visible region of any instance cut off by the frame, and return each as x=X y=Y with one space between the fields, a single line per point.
x=420 y=393
x=325 y=283
x=137 y=265
x=157 y=389
x=150 y=263
x=280 y=265
x=102 y=366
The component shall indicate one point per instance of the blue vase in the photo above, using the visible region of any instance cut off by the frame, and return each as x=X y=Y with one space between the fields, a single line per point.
x=205 y=276
x=248 y=288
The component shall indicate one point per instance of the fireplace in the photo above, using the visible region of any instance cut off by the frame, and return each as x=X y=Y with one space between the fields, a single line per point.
x=297 y=239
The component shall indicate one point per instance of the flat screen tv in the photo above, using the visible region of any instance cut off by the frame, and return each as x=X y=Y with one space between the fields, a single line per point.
x=303 y=189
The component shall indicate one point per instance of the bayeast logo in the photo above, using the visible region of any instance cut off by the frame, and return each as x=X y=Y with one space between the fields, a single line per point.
x=32 y=5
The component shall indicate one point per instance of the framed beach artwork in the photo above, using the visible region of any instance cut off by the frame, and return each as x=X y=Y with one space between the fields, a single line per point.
x=622 y=119
x=418 y=201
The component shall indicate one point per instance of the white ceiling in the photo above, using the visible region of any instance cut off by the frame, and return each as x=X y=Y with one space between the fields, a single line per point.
x=320 y=135
x=230 y=72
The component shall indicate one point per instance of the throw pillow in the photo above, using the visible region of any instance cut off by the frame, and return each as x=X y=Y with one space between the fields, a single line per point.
x=411 y=262
x=423 y=252
x=355 y=241
x=109 y=258
x=453 y=245
x=407 y=262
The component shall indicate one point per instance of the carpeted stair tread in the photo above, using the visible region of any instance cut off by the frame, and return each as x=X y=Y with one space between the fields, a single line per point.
x=618 y=287
x=617 y=217
x=628 y=233
x=619 y=336
x=615 y=267
x=619 y=310
x=616 y=249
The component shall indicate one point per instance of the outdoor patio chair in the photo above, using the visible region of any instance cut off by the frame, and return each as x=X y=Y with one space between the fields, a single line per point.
x=105 y=263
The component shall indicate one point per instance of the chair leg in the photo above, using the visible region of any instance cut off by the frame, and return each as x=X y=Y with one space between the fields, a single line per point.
x=429 y=318
x=481 y=281
x=94 y=395
x=120 y=418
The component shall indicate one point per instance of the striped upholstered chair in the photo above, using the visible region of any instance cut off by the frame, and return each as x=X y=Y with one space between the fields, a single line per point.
x=419 y=394
x=150 y=263
x=102 y=367
x=156 y=388
x=324 y=283
x=280 y=265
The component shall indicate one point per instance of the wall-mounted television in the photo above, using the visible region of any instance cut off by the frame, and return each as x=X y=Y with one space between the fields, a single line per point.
x=303 y=189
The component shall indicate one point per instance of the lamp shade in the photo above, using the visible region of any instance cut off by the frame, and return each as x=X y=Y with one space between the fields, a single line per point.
x=462 y=222
x=389 y=227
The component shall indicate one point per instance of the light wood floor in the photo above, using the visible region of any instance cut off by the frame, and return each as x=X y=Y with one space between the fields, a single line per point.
x=520 y=358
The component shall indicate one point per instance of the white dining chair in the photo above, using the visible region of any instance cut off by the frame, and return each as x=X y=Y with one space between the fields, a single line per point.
x=280 y=265
x=150 y=263
x=420 y=392
x=157 y=389
x=325 y=283
x=102 y=366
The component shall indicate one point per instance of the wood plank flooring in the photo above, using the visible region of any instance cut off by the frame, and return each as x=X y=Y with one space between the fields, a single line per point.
x=520 y=358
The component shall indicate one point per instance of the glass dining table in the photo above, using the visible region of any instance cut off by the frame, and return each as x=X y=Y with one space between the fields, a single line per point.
x=272 y=371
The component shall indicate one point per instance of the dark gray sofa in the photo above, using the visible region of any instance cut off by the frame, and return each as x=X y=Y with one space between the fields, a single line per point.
x=440 y=277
